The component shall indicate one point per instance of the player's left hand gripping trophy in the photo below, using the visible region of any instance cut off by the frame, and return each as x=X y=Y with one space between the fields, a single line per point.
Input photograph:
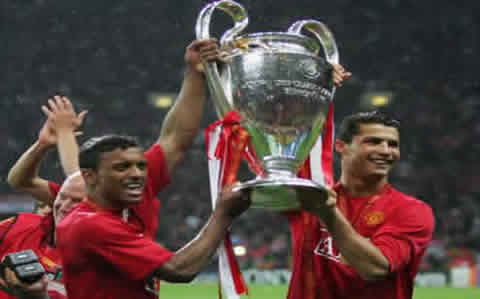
x=281 y=89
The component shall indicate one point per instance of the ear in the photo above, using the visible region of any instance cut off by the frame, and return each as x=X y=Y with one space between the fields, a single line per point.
x=340 y=146
x=89 y=176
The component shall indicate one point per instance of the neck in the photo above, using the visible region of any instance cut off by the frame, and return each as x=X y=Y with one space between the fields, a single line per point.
x=362 y=186
x=104 y=204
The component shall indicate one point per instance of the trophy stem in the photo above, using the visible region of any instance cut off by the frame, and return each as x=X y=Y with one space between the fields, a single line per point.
x=280 y=166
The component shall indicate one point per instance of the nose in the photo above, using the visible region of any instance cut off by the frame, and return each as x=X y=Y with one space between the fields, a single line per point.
x=384 y=148
x=137 y=172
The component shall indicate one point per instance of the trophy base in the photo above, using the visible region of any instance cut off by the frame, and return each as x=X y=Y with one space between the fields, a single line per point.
x=279 y=194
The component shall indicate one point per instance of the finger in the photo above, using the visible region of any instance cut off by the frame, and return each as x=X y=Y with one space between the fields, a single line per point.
x=38 y=286
x=59 y=102
x=52 y=105
x=67 y=103
x=339 y=68
x=82 y=115
x=337 y=77
x=203 y=42
x=11 y=278
x=208 y=47
x=78 y=133
x=46 y=111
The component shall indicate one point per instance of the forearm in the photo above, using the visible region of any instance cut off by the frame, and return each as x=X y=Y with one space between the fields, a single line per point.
x=68 y=151
x=193 y=257
x=25 y=170
x=184 y=118
x=358 y=251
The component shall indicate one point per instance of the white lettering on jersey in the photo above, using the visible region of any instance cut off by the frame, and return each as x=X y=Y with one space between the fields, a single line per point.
x=325 y=247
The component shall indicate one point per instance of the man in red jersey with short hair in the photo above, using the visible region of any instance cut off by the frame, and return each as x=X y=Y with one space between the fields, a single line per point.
x=35 y=231
x=107 y=243
x=367 y=239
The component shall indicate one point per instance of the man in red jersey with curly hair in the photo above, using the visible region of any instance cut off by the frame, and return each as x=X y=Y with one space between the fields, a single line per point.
x=367 y=239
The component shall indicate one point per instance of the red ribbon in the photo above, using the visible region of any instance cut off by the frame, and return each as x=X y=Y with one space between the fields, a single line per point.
x=231 y=148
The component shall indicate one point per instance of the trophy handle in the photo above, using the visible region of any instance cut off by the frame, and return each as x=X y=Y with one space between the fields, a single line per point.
x=202 y=30
x=322 y=33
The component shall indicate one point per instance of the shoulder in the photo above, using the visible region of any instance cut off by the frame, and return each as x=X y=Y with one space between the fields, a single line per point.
x=84 y=222
x=29 y=219
x=155 y=151
x=403 y=200
x=411 y=211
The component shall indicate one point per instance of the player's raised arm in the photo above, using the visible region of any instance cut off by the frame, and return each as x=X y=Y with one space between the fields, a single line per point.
x=65 y=121
x=183 y=120
x=23 y=176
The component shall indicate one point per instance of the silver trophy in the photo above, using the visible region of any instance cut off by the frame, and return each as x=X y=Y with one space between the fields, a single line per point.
x=281 y=87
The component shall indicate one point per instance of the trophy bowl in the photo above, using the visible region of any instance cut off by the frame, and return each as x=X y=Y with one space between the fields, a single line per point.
x=282 y=89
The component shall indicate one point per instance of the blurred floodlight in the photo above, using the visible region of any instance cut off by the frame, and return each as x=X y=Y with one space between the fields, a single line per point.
x=377 y=99
x=380 y=100
x=240 y=250
x=161 y=100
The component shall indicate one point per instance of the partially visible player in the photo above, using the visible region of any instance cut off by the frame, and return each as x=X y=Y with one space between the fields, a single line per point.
x=367 y=240
x=37 y=231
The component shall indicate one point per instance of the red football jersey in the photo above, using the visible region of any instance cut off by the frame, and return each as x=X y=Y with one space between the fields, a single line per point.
x=108 y=256
x=399 y=225
x=32 y=231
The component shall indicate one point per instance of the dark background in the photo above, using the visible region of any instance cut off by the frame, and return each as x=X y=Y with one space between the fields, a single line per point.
x=108 y=56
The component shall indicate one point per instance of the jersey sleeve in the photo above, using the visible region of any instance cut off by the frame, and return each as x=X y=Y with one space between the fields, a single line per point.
x=158 y=176
x=132 y=253
x=5 y=226
x=405 y=236
x=54 y=188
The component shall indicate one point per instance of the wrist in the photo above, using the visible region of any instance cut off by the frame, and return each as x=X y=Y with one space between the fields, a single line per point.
x=42 y=145
x=65 y=130
x=194 y=70
x=223 y=217
x=328 y=216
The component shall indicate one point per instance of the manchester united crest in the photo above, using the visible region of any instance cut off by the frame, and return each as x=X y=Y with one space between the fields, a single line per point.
x=374 y=218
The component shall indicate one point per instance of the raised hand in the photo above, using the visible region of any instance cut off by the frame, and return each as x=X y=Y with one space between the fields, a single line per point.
x=47 y=135
x=232 y=204
x=199 y=51
x=61 y=114
x=340 y=75
x=311 y=202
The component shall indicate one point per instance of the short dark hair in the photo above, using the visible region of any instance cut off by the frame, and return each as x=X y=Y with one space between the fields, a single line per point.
x=90 y=151
x=351 y=124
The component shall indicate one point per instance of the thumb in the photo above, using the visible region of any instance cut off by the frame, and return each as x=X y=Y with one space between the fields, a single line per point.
x=82 y=115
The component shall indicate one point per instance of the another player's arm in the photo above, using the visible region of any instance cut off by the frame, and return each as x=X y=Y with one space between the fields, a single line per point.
x=183 y=120
x=23 y=176
x=65 y=121
x=193 y=257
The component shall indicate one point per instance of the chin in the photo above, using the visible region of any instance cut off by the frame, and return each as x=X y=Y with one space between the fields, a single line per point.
x=132 y=200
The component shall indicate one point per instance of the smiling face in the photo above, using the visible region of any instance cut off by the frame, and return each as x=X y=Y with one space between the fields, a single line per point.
x=72 y=192
x=120 y=177
x=372 y=152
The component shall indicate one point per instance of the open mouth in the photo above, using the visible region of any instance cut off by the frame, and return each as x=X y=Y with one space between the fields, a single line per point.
x=134 y=189
x=381 y=162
